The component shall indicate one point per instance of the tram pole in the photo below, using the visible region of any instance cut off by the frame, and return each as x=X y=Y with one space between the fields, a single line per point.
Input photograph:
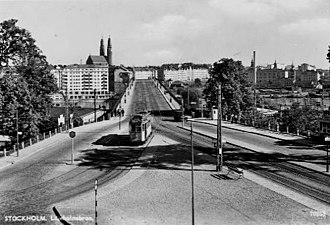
x=192 y=176
x=95 y=201
x=219 y=133
x=182 y=110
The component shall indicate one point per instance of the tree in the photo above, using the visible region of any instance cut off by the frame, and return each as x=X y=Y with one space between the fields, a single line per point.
x=303 y=118
x=235 y=88
x=198 y=83
x=25 y=83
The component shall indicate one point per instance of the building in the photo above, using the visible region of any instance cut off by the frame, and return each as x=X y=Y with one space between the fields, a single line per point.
x=141 y=73
x=95 y=79
x=86 y=81
x=277 y=76
x=307 y=76
x=184 y=72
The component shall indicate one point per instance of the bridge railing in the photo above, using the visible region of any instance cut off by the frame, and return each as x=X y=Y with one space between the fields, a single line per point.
x=174 y=103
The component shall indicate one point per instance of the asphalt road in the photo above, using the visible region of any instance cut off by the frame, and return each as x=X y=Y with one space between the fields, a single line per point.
x=32 y=184
x=157 y=191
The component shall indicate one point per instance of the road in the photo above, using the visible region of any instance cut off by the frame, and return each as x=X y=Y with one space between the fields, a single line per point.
x=152 y=188
x=32 y=184
x=275 y=160
x=158 y=190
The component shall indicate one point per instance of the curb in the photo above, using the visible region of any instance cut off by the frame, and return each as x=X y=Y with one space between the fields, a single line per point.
x=205 y=135
x=257 y=133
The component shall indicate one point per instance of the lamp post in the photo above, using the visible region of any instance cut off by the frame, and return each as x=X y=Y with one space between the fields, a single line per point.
x=182 y=110
x=192 y=176
x=219 y=133
x=119 y=112
x=254 y=89
x=94 y=105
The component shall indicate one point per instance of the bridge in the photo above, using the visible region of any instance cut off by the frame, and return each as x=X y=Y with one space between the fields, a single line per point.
x=149 y=95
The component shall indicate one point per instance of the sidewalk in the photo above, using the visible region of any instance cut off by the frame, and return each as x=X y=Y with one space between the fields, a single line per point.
x=299 y=140
x=53 y=141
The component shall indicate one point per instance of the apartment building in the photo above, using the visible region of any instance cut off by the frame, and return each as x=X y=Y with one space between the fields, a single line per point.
x=184 y=72
x=141 y=73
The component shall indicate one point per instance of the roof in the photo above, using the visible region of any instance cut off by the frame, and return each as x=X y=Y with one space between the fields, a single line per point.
x=96 y=59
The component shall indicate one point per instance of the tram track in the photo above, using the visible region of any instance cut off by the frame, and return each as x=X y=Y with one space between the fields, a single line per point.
x=298 y=178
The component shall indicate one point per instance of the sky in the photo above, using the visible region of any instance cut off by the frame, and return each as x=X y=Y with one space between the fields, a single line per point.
x=154 y=32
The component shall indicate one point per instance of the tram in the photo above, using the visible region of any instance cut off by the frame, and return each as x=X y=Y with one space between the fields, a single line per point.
x=139 y=127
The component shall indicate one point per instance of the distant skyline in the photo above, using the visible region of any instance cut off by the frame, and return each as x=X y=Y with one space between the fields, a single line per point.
x=150 y=32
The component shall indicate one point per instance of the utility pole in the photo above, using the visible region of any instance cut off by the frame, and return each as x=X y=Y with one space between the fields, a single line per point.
x=94 y=105
x=219 y=134
x=254 y=88
x=119 y=124
x=95 y=189
x=182 y=111
x=192 y=176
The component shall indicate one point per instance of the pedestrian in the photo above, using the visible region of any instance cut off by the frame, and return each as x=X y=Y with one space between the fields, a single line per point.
x=122 y=112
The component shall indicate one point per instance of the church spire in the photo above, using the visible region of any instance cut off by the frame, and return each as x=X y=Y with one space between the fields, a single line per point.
x=109 y=52
x=102 y=48
x=275 y=64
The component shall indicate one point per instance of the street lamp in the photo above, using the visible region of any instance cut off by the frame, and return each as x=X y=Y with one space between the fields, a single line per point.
x=94 y=105
x=192 y=175
x=219 y=132
x=119 y=111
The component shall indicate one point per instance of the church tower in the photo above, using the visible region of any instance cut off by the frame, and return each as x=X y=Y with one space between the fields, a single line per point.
x=109 y=52
x=102 y=48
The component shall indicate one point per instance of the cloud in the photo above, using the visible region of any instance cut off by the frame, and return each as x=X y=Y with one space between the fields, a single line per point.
x=245 y=10
x=262 y=11
x=170 y=28
x=306 y=27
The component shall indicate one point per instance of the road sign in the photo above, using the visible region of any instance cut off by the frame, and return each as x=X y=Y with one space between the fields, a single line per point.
x=72 y=134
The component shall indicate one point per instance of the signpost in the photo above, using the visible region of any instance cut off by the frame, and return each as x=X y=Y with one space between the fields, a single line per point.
x=72 y=135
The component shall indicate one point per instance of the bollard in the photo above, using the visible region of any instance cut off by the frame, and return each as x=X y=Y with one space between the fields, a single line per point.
x=30 y=141
x=268 y=126
x=50 y=133
x=37 y=138
x=44 y=136
x=297 y=132
x=22 y=144
x=55 y=131
x=287 y=129
x=277 y=127
x=4 y=152
x=61 y=129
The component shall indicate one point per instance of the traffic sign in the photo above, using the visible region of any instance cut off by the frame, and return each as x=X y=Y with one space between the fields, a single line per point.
x=72 y=134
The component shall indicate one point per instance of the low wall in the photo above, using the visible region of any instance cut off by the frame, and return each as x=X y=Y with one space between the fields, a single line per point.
x=169 y=97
